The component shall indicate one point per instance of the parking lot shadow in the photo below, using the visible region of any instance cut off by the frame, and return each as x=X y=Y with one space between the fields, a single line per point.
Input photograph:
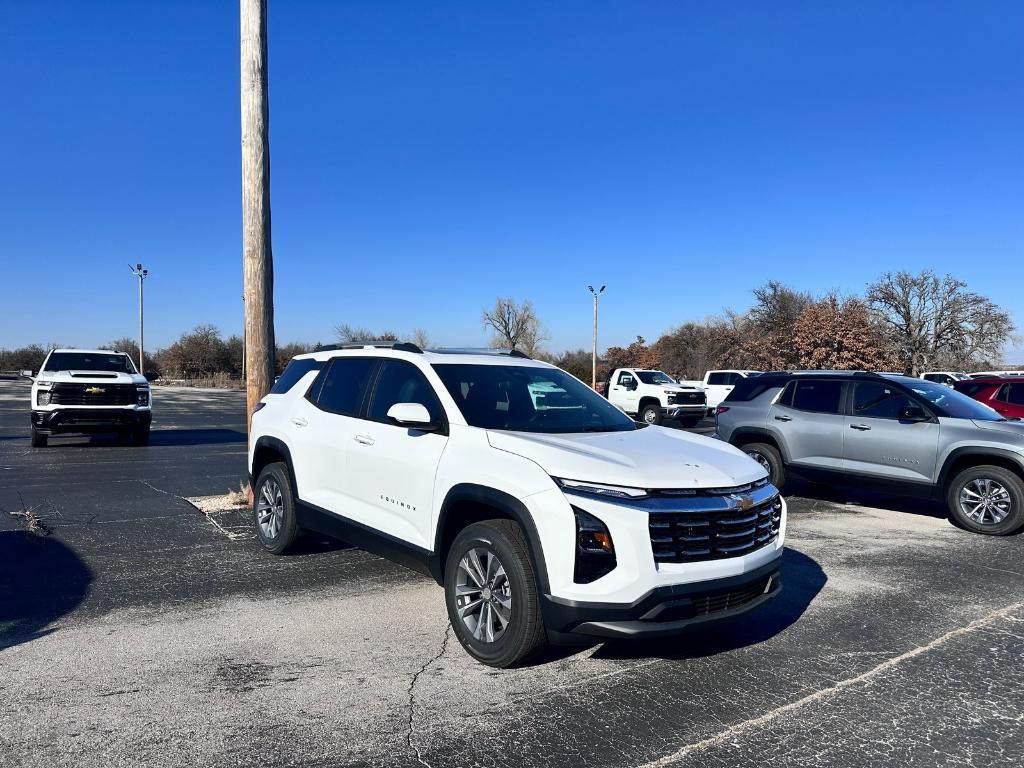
x=853 y=497
x=158 y=438
x=41 y=579
x=802 y=580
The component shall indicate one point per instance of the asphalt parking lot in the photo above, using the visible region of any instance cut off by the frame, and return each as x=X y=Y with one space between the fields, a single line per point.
x=134 y=630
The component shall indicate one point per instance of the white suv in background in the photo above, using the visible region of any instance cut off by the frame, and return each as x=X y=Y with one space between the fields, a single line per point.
x=718 y=384
x=546 y=513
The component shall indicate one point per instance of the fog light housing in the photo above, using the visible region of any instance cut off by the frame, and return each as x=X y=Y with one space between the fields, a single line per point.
x=595 y=550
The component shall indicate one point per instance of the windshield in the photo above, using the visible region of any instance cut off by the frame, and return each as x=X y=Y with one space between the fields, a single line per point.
x=89 y=361
x=524 y=398
x=949 y=401
x=655 y=377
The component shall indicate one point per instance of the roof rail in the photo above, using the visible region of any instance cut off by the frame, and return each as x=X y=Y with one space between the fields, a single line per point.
x=479 y=351
x=400 y=346
x=826 y=371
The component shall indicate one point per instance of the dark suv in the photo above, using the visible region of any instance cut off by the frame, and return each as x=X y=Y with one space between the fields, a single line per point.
x=897 y=433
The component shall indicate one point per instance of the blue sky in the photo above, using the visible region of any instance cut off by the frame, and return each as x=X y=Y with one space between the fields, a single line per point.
x=428 y=157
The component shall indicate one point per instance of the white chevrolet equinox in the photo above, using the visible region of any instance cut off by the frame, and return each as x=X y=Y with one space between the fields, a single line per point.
x=546 y=513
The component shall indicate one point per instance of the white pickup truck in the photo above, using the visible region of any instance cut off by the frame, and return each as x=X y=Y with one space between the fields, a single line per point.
x=652 y=396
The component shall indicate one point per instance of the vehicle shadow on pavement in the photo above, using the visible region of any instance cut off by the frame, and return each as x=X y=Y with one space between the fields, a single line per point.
x=852 y=498
x=158 y=438
x=41 y=580
x=802 y=580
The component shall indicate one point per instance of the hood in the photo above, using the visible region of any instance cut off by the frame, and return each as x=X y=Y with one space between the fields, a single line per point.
x=651 y=457
x=1015 y=428
x=91 y=377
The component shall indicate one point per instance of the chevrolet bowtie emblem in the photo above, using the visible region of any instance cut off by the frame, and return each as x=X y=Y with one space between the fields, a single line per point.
x=95 y=390
x=742 y=502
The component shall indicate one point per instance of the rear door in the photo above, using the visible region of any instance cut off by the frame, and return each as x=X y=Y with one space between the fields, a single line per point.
x=1010 y=400
x=324 y=425
x=876 y=442
x=391 y=469
x=808 y=418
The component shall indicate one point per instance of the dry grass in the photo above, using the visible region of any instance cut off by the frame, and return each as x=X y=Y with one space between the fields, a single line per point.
x=30 y=519
x=232 y=500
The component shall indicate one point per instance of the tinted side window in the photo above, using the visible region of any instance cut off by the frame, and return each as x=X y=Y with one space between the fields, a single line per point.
x=749 y=389
x=401 y=382
x=732 y=378
x=971 y=389
x=345 y=384
x=872 y=399
x=1015 y=394
x=718 y=378
x=818 y=396
x=294 y=371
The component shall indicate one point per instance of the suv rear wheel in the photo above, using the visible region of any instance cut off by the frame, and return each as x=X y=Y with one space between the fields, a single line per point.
x=491 y=594
x=987 y=499
x=273 y=509
x=768 y=456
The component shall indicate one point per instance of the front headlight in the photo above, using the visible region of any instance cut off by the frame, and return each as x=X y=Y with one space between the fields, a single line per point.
x=599 y=489
x=43 y=397
x=143 y=395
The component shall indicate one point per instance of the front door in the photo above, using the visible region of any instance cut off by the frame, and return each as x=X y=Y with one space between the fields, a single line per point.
x=877 y=442
x=392 y=469
x=626 y=392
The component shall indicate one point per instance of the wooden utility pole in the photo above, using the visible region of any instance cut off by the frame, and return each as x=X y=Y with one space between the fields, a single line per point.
x=257 y=259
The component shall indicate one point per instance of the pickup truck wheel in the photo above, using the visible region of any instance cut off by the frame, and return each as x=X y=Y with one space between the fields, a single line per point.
x=491 y=594
x=273 y=509
x=38 y=438
x=987 y=499
x=768 y=457
x=651 y=414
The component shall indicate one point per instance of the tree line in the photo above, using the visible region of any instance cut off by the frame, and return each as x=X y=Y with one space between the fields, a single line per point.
x=903 y=322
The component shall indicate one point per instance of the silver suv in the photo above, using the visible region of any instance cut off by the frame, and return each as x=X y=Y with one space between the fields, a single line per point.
x=905 y=435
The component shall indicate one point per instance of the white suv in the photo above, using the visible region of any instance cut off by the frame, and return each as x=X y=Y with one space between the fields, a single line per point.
x=546 y=513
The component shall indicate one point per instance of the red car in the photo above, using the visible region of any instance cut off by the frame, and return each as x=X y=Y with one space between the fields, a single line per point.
x=1004 y=394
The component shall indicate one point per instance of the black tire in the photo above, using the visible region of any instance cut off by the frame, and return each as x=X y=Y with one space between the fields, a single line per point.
x=650 y=414
x=277 y=535
x=39 y=439
x=770 y=458
x=689 y=421
x=523 y=635
x=1013 y=493
x=140 y=436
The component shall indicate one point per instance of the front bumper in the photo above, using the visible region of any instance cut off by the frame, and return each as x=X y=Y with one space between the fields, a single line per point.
x=675 y=411
x=666 y=610
x=89 y=420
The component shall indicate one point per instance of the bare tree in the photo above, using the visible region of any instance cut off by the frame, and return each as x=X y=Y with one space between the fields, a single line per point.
x=348 y=334
x=515 y=326
x=936 y=322
x=420 y=338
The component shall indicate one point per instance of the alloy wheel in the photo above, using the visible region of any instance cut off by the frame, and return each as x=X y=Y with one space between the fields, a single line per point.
x=650 y=416
x=483 y=595
x=270 y=508
x=761 y=459
x=985 y=501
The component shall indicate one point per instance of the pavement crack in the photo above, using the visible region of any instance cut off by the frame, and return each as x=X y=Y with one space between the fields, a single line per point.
x=865 y=678
x=411 y=694
x=218 y=526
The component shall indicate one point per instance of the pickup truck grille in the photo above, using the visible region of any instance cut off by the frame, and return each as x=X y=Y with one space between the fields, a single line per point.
x=687 y=398
x=80 y=394
x=723 y=530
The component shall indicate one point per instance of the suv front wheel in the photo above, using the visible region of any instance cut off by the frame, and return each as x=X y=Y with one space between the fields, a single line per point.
x=491 y=594
x=768 y=457
x=987 y=499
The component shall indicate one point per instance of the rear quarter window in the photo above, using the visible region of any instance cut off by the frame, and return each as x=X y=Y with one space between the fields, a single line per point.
x=294 y=371
x=750 y=389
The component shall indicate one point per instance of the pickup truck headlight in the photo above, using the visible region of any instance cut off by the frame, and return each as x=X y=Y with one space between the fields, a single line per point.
x=143 y=395
x=600 y=489
x=43 y=397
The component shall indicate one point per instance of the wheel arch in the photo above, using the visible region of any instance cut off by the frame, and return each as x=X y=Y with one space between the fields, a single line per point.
x=269 y=450
x=745 y=435
x=965 y=457
x=468 y=503
x=647 y=400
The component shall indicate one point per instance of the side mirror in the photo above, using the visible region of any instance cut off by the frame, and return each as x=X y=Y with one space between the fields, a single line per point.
x=26 y=375
x=632 y=385
x=913 y=413
x=151 y=375
x=412 y=415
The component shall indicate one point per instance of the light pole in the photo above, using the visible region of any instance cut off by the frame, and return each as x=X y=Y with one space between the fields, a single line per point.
x=142 y=274
x=593 y=359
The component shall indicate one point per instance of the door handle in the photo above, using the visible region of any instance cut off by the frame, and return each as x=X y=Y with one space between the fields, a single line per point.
x=298 y=421
x=860 y=427
x=783 y=418
x=363 y=439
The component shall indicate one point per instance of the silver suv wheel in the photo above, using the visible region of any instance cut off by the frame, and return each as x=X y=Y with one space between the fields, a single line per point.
x=761 y=459
x=270 y=508
x=985 y=501
x=483 y=595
